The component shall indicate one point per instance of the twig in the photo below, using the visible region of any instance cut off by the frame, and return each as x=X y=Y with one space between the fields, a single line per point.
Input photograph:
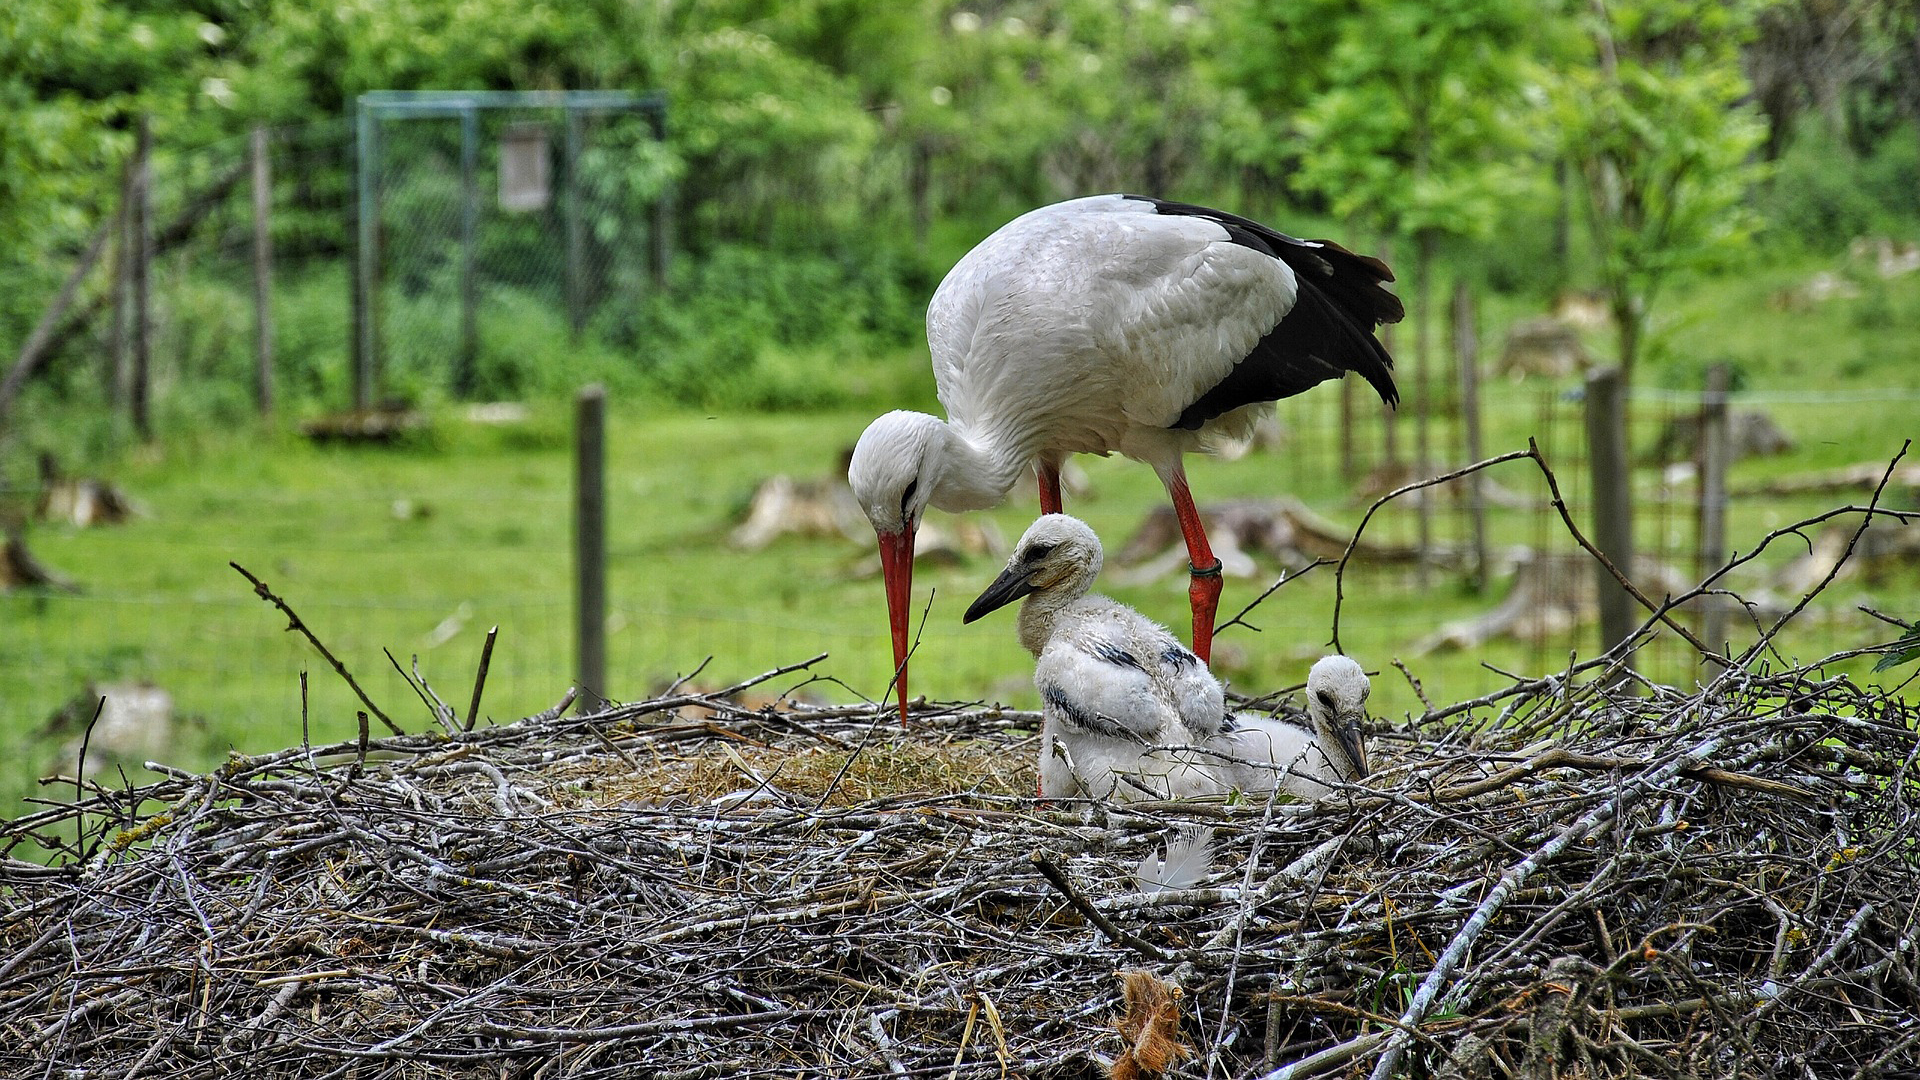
x=1284 y=578
x=1058 y=879
x=79 y=778
x=294 y=623
x=1340 y=571
x=1515 y=876
x=1866 y=519
x=480 y=679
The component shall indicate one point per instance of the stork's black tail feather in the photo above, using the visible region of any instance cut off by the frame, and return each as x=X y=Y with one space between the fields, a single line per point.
x=1329 y=332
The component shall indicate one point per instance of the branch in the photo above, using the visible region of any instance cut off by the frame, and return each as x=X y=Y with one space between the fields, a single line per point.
x=1340 y=574
x=1058 y=879
x=1240 y=619
x=293 y=623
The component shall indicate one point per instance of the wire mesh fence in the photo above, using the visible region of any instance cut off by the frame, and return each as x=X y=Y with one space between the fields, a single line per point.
x=479 y=213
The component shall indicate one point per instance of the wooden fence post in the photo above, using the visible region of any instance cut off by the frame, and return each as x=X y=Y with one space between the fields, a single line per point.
x=590 y=546
x=1714 y=457
x=262 y=273
x=575 y=225
x=1466 y=351
x=140 y=232
x=1612 y=501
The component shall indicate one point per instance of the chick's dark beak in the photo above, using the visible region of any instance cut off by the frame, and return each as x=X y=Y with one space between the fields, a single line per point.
x=1353 y=742
x=1013 y=583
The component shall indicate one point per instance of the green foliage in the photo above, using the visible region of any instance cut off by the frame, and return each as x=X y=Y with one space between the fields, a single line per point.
x=1650 y=114
x=1811 y=203
x=1903 y=651
x=1421 y=126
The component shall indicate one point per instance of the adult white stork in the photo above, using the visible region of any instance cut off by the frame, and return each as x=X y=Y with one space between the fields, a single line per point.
x=1122 y=702
x=1113 y=323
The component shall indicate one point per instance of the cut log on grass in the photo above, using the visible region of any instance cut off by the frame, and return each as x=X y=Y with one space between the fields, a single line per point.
x=1864 y=476
x=80 y=501
x=1750 y=433
x=1551 y=595
x=1885 y=544
x=1544 y=346
x=1284 y=530
x=380 y=426
x=19 y=569
x=124 y=723
x=785 y=506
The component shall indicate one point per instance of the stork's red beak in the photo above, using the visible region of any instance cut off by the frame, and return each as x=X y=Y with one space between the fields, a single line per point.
x=896 y=566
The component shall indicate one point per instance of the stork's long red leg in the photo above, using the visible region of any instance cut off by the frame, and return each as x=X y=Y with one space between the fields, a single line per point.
x=1204 y=589
x=1048 y=473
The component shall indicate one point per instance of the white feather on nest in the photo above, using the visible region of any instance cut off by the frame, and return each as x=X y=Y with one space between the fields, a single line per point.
x=1183 y=864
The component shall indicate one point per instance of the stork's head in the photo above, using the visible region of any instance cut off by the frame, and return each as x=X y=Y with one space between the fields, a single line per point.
x=1058 y=555
x=895 y=467
x=1337 y=691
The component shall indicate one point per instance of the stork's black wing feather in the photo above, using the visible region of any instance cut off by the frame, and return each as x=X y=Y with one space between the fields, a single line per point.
x=1328 y=332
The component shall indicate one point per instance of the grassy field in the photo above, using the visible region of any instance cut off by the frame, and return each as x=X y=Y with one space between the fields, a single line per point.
x=420 y=549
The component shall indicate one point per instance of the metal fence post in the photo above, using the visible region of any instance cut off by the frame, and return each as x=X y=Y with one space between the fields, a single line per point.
x=368 y=290
x=590 y=546
x=1612 y=501
x=575 y=226
x=660 y=243
x=1713 y=497
x=141 y=231
x=466 y=375
x=262 y=273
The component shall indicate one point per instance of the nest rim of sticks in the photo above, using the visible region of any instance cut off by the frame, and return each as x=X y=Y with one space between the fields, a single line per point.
x=1674 y=884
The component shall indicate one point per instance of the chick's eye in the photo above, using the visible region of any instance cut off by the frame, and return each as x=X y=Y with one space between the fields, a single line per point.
x=1038 y=552
x=1326 y=699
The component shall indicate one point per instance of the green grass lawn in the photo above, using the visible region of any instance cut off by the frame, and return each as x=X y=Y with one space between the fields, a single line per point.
x=420 y=549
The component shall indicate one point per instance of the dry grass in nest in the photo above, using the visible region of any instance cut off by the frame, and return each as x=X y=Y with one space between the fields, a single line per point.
x=812 y=773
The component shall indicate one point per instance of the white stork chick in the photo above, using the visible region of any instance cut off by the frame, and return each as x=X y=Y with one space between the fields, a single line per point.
x=1121 y=696
x=1261 y=752
x=1113 y=323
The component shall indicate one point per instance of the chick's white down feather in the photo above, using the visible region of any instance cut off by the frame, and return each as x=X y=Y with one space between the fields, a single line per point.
x=1127 y=712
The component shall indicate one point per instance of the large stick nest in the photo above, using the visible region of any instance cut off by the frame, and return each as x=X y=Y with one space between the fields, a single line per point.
x=1563 y=881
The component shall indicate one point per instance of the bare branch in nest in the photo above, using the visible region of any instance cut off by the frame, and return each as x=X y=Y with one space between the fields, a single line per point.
x=294 y=622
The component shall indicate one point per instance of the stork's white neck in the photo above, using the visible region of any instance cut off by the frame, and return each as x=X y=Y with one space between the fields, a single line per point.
x=973 y=473
x=1040 y=612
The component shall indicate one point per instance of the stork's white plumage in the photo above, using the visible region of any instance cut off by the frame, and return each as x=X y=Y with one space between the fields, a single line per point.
x=1107 y=324
x=1258 y=753
x=1129 y=714
x=1122 y=700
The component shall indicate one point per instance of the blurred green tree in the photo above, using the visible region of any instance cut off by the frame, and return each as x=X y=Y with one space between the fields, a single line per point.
x=1653 y=115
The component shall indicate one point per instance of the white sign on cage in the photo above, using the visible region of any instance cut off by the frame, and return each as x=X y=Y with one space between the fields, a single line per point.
x=525 y=167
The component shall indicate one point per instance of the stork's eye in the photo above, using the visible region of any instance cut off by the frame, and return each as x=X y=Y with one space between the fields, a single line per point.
x=1037 y=552
x=906 y=497
x=1326 y=699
